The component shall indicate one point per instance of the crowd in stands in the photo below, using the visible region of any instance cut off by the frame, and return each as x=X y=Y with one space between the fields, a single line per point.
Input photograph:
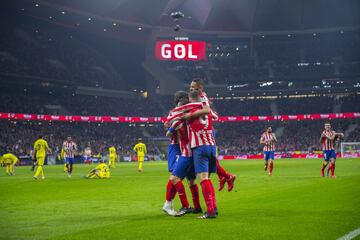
x=29 y=51
x=19 y=136
x=50 y=54
x=232 y=138
x=100 y=106
x=284 y=58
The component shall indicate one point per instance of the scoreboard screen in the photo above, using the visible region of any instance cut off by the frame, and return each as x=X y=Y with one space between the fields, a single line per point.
x=180 y=50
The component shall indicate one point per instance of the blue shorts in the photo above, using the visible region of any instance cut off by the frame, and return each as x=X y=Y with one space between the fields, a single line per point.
x=205 y=159
x=185 y=168
x=87 y=158
x=69 y=160
x=173 y=156
x=329 y=154
x=269 y=155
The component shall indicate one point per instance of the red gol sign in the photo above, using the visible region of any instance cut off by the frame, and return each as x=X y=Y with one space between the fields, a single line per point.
x=180 y=50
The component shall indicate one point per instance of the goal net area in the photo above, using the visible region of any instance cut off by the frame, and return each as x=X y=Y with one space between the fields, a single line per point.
x=350 y=149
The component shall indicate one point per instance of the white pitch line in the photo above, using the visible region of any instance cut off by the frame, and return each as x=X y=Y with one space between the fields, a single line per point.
x=350 y=235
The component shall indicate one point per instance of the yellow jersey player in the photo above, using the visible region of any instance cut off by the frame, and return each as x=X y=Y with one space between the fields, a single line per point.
x=62 y=157
x=140 y=149
x=112 y=156
x=101 y=171
x=41 y=148
x=9 y=160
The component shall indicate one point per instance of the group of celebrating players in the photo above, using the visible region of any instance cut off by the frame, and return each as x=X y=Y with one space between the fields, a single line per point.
x=192 y=152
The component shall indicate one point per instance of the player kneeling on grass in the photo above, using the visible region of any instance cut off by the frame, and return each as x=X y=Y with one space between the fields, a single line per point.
x=9 y=160
x=101 y=171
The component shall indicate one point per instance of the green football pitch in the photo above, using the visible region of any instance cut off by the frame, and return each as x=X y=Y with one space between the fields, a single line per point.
x=296 y=203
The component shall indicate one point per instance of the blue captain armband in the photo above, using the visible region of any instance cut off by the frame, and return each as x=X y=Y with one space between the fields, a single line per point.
x=171 y=129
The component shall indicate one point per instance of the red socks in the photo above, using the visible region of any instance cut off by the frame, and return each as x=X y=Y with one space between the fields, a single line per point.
x=213 y=194
x=180 y=189
x=271 y=167
x=195 y=195
x=170 y=191
x=207 y=190
x=332 y=169
x=221 y=172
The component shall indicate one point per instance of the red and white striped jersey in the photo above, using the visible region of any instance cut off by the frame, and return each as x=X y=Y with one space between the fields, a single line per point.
x=201 y=131
x=178 y=112
x=205 y=101
x=268 y=138
x=326 y=143
x=183 y=140
x=174 y=118
x=69 y=148
x=87 y=152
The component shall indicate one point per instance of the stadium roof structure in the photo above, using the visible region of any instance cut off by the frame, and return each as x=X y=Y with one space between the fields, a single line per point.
x=214 y=16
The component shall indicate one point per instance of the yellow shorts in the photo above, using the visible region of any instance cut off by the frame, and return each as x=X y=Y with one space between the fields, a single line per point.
x=40 y=160
x=104 y=175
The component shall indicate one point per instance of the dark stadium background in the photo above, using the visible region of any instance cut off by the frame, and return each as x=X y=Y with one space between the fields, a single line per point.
x=97 y=58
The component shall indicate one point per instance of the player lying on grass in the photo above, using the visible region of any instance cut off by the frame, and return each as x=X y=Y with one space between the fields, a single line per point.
x=9 y=160
x=181 y=165
x=101 y=171
x=268 y=139
x=224 y=176
x=327 y=140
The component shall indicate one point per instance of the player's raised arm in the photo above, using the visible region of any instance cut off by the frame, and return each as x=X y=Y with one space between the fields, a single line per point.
x=339 y=134
x=205 y=110
x=332 y=137
x=262 y=139
x=274 y=139
x=194 y=97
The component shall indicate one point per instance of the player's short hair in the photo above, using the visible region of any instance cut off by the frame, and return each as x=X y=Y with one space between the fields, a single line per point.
x=198 y=81
x=327 y=123
x=40 y=136
x=139 y=139
x=181 y=96
x=194 y=95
